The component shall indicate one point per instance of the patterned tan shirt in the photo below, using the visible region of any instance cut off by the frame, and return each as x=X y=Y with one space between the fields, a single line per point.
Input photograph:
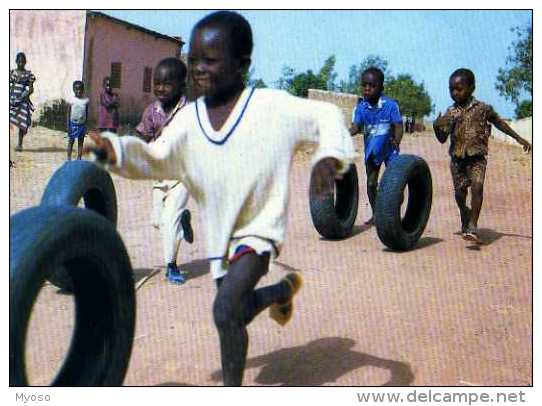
x=470 y=128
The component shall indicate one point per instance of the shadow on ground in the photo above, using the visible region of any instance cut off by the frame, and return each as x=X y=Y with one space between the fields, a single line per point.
x=319 y=362
x=488 y=236
x=196 y=268
x=355 y=231
x=44 y=149
x=424 y=242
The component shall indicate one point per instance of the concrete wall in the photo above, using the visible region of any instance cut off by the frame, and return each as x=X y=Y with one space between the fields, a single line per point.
x=524 y=127
x=345 y=101
x=53 y=42
x=108 y=41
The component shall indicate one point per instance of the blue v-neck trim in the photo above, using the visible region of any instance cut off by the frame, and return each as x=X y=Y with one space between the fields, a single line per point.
x=223 y=140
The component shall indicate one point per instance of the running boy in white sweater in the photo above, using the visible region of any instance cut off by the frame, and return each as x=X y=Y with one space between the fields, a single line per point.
x=214 y=147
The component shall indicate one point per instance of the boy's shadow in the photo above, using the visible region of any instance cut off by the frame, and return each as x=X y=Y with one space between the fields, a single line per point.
x=319 y=362
x=357 y=229
x=45 y=149
x=423 y=242
x=196 y=268
x=489 y=236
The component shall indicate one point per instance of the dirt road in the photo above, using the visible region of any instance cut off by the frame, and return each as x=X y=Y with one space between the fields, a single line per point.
x=446 y=313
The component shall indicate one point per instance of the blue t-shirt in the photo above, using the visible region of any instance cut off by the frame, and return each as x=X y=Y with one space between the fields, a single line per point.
x=378 y=122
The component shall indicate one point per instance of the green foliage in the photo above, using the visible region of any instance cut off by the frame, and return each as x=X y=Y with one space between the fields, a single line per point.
x=351 y=85
x=299 y=84
x=249 y=80
x=524 y=109
x=413 y=99
x=517 y=77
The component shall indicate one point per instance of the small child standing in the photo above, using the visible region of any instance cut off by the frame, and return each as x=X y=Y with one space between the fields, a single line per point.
x=215 y=147
x=77 y=119
x=108 y=109
x=170 y=197
x=21 y=86
x=468 y=123
x=382 y=125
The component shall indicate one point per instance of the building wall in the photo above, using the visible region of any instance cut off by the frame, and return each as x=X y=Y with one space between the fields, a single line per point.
x=524 y=127
x=53 y=42
x=345 y=101
x=108 y=41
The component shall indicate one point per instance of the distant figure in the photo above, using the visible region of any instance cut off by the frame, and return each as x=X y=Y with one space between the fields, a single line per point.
x=407 y=124
x=77 y=119
x=468 y=122
x=169 y=197
x=108 y=111
x=382 y=124
x=21 y=86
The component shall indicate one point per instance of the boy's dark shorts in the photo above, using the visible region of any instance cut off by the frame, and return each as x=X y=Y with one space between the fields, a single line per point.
x=468 y=170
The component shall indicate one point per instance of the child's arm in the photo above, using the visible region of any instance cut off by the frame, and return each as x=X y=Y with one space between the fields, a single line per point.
x=505 y=128
x=397 y=135
x=131 y=157
x=68 y=116
x=397 y=125
x=443 y=127
x=354 y=129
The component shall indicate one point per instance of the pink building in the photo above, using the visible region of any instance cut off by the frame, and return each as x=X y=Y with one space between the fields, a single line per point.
x=63 y=46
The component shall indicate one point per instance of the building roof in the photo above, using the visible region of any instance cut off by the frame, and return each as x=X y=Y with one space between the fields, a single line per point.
x=177 y=40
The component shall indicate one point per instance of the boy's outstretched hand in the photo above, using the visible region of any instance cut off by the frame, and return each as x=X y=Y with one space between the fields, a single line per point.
x=525 y=144
x=323 y=177
x=103 y=149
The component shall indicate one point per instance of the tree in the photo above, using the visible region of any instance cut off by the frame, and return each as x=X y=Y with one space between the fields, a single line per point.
x=249 y=80
x=524 y=109
x=299 y=84
x=352 y=84
x=516 y=79
x=413 y=99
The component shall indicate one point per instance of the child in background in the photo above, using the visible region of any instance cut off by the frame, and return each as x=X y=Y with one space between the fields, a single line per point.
x=21 y=86
x=170 y=197
x=108 y=109
x=215 y=147
x=77 y=119
x=468 y=122
x=382 y=125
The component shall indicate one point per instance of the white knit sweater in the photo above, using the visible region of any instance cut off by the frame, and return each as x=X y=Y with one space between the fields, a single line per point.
x=238 y=175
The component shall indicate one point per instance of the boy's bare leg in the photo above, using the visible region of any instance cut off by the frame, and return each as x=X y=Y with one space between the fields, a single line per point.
x=477 y=190
x=70 y=149
x=19 y=146
x=236 y=304
x=372 y=185
x=464 y=211
x=80 y=142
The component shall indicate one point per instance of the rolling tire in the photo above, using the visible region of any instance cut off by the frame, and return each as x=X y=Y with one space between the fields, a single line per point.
x=73 y=181
x=90 y=250
x=402 y=234
x=76 y=180
x=334 y=216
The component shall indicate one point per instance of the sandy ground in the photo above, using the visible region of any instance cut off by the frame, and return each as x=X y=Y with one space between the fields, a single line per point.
x=446 y=313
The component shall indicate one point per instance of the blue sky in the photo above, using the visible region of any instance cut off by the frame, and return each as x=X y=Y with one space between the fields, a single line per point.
x=427 y=44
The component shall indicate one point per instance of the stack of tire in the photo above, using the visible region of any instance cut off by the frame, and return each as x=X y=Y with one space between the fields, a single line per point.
x=80 y=251
x=334 y=215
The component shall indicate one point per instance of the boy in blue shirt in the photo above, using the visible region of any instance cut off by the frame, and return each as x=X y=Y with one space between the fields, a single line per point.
x=380 y=119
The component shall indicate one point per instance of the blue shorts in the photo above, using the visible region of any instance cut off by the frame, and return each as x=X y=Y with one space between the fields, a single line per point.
x=76 y=130
x=379 y=149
